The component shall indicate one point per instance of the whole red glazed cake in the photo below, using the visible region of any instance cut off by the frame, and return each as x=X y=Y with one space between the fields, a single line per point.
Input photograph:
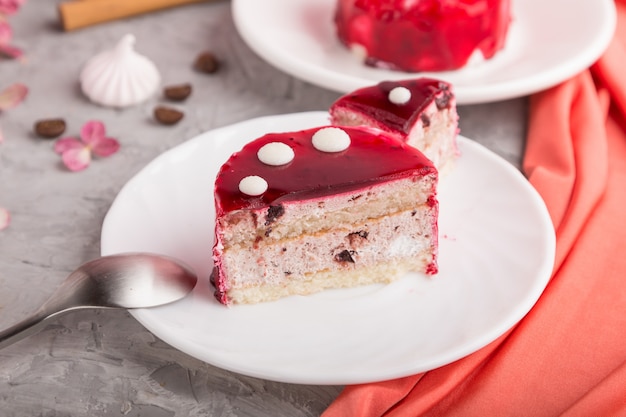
x=422 y=35
x=328 y=207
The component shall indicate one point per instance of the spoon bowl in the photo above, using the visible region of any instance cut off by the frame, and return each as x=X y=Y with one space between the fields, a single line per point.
x=126 y=281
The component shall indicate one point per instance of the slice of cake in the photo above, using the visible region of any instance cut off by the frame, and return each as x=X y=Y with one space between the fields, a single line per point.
x=422 y=35
x=328 y=207
x=420 y=112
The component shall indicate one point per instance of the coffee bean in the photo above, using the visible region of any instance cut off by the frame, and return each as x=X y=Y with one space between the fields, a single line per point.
x=50 y=128
x=177 y=92
x=168 y=115
x=206 y=62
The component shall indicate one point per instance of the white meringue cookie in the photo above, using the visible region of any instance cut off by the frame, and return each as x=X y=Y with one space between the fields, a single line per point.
x=119 y=77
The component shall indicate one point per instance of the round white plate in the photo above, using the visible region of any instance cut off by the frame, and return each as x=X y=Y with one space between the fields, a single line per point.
x=496 y=256
x=548 y=42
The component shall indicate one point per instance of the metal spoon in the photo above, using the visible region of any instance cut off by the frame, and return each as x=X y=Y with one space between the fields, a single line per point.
x=135 y=280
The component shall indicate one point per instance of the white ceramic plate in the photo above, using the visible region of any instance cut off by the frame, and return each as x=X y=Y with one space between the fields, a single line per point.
x=549 y=41
x=496 y=256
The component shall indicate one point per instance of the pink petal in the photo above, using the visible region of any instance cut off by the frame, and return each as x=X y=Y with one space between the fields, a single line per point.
x=5 y=218
x=6 y=33
x=1 y=136
x=76 y=159
x=65 y=144
x=92 y=132
x=105 y=147
x=11 y=51
x=9 y=7
x=12 y=96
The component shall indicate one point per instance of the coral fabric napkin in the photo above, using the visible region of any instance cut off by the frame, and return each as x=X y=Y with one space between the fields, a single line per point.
x=568 y=355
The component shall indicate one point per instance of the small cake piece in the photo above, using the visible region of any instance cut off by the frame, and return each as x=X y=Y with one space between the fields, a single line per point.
x=422 y=35
x=328 y=207
x=420 y=112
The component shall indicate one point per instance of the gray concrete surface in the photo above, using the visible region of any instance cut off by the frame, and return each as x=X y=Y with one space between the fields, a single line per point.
x=105 y=363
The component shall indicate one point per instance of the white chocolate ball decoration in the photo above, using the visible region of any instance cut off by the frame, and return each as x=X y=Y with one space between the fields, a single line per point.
x=400 y=95
x=253 y=185
x=275 y=154
x=331 y=139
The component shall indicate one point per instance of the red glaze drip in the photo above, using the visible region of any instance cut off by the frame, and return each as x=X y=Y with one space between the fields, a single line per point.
x=374 y=101
x=427 y=35
x=373 y=157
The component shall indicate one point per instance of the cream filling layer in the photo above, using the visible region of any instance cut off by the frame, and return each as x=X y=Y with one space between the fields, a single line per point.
x=410 y=234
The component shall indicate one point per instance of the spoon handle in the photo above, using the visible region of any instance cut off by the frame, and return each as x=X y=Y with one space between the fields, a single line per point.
x=62 y=300
x=25 y=328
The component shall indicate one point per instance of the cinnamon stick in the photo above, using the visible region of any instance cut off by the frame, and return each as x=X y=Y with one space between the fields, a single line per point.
x=79 y=14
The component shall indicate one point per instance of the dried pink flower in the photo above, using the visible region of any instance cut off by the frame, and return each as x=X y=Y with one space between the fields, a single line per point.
x=5 y=218
x=6 y=35
x=76 y=153
x=9 y=7
x=12 y=96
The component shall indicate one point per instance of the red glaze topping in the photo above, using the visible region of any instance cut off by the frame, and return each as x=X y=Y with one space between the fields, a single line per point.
x=374 y=102
x=423 y=35
x=372 y=157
